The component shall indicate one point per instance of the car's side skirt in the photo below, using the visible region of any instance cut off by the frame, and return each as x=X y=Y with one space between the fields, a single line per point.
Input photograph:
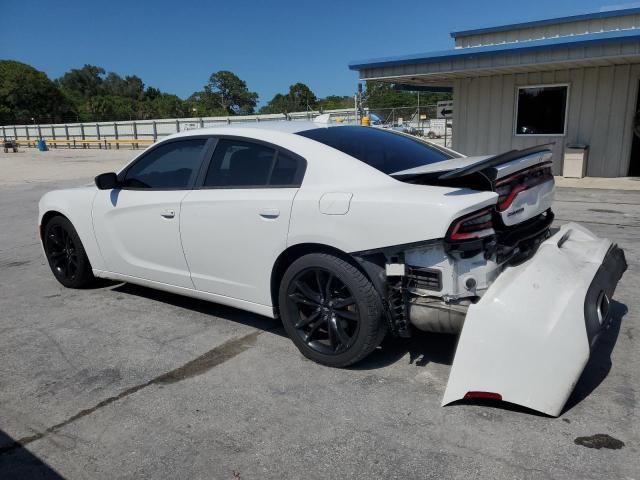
x=266 y=310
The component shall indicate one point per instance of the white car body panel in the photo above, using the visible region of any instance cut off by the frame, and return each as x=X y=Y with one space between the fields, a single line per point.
x=267 y=311
x=529 y=203
x=232 y=238
x=526 y=339
x=522 y=162
x=75 y=204
x=357 y=231
x=335 y=203
x=139 y=234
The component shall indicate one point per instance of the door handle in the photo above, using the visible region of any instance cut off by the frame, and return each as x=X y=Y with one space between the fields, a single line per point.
x=168 y=213
x=269 y=213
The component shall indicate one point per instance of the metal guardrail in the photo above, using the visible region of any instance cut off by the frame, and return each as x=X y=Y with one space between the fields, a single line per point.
x=106 y=143
x=139 y=132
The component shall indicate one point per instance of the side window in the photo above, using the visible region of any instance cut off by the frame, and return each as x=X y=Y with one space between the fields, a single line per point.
x=287 y=171
x=240 y=164
x=168 y=166
x=236 y=163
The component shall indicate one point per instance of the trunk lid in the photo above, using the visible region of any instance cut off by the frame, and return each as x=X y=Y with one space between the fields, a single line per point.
x=521 y=178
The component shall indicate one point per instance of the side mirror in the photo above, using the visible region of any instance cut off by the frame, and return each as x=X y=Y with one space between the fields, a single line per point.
x=107 y=181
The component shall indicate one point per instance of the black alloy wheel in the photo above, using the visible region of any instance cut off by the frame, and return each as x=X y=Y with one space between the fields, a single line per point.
x=62 y=253
x=65 y=253
x=330 y=310
x=327 y=315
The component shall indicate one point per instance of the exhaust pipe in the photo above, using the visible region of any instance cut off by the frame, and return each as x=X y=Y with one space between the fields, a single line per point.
x=431 y=315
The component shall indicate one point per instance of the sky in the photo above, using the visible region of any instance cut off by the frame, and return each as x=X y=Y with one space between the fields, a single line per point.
x=175 y=45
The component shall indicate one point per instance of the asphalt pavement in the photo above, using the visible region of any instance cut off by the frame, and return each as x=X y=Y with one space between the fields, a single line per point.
x=121 y=381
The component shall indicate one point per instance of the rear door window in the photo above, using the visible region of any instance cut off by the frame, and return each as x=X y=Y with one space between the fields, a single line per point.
x=286 y=171
x=242 y=164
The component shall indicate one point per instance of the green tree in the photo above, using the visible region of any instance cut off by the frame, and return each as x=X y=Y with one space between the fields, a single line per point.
x=278 y=104
x=385 y=95
x=205 y=104
x=91 y=94
x=130 y=86
x=82 y=82
x=108 y=107
x=169 y=106
x=334 y=102
x=27 y=93
x=300 y=98
x=230 y=93
x=151 y=93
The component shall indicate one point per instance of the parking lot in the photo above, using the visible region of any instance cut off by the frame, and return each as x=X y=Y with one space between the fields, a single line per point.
x=122 y=381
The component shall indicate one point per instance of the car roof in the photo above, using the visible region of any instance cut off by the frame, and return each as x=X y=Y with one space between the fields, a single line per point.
x=285 y=126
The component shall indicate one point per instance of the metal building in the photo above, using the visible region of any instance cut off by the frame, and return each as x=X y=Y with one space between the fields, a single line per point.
x=571 y=80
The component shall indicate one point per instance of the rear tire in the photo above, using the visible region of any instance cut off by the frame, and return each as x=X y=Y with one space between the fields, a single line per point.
x=66 y=255
x=330 y=310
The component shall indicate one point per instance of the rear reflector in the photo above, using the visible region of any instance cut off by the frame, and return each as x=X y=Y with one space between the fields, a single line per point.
x=489 y=395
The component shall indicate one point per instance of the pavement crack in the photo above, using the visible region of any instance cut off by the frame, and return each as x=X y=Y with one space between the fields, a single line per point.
x=58 y=347
x=214 y=357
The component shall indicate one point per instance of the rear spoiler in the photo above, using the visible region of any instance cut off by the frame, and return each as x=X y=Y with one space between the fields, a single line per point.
x=495 y=161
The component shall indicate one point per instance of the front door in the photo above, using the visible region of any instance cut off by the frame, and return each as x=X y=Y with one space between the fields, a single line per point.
x=138 y=226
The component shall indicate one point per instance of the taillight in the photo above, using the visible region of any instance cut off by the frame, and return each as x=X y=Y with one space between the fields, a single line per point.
x=474 y=225
x=508 y=188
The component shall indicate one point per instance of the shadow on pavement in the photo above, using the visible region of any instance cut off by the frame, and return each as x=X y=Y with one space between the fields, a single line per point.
x=16 y=462
x=599 y=364
x=423 y=348
x=205 y=307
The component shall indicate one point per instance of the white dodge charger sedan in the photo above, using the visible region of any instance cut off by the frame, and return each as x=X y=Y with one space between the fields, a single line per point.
x=348 y=233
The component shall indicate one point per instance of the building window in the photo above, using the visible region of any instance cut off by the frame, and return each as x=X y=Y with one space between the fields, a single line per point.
x=541 y=110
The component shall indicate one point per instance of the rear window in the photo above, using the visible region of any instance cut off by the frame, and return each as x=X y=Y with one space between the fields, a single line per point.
x=383 y=150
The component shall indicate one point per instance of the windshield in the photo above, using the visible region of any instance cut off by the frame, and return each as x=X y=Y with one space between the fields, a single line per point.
x=383 y=150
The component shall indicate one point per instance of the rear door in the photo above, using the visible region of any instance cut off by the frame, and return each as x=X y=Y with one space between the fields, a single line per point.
x=138 y=226
x=234 y=226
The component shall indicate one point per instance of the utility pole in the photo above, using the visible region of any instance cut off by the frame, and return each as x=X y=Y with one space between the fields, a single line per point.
x=361 y=100
x=418 y=108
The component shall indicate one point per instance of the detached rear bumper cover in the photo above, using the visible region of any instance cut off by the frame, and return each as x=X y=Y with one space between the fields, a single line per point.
x=528 y=339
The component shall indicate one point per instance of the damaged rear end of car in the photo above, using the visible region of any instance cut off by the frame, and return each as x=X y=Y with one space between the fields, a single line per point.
x=528 y=303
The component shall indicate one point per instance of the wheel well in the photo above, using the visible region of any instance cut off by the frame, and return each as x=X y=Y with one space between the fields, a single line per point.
x=293 y=253
x=46 y=218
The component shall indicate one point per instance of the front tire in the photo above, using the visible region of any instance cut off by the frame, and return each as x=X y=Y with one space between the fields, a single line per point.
x=330 y=310
x=65 y=254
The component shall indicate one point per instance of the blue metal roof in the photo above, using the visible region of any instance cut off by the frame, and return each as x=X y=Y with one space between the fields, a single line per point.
x=550 y=21
x=575 y=41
